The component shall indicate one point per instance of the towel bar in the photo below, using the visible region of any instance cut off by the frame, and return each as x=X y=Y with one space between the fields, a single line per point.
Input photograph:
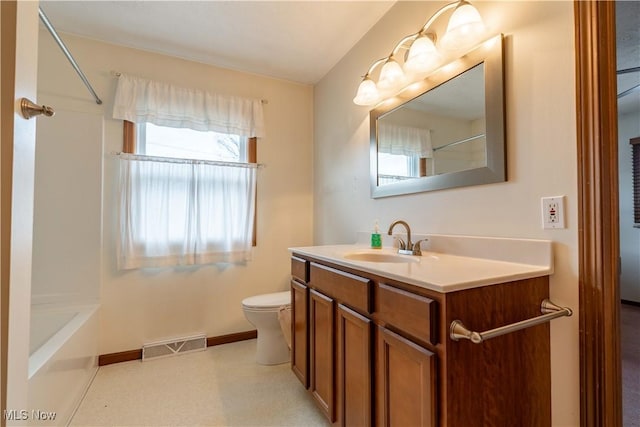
x=458 y=331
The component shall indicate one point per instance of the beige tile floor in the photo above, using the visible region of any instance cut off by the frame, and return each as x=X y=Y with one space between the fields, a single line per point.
x=222 y=386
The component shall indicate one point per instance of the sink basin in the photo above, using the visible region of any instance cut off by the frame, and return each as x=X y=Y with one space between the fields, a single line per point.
x=379 y=257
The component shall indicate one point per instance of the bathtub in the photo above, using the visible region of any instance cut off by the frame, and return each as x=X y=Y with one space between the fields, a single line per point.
x=63 y=361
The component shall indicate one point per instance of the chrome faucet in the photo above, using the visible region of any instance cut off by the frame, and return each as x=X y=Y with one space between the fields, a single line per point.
x=408 y=248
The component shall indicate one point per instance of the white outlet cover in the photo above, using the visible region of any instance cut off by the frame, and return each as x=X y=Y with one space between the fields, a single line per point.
x=553 y=212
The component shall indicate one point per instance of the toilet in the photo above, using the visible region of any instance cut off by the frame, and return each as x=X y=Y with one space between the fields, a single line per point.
x=262 y=311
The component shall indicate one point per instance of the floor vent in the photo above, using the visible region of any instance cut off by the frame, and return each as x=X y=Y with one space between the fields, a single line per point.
x=168 y=348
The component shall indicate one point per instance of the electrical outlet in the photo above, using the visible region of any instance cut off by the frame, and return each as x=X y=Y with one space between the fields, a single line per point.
x=553 y=212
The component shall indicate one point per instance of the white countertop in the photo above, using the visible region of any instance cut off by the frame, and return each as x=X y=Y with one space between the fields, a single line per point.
x=493 y=261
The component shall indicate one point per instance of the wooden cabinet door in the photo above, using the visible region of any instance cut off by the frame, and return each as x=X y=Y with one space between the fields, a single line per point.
x=405 y=382
x=354 y=368
x=300 y=332
x=321 y=332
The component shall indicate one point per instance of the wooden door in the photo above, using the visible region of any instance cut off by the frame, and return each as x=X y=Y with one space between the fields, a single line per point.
x=19 y=70
x=321 y=334
x=354 y=368
x=405 y=382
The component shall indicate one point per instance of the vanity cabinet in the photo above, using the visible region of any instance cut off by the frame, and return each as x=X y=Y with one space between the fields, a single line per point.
x=378 y=352
x=299 y=332
x=354 y=368
x=405 y=369
x=332 y=340
x=321 y=349
x=340 y=347
x=405 y=382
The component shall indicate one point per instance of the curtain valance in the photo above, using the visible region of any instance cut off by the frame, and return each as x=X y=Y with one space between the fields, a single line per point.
x=140 y=100
x=404 y=140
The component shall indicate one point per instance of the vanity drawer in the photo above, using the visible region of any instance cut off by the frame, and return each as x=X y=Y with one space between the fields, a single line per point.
x=349 y=289
x=300 y=269
x=408 y=312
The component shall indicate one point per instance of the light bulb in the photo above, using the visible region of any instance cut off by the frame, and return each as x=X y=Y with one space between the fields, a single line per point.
x=422 y=56
x=465 y=28
x=367 y=93
x=391 y=76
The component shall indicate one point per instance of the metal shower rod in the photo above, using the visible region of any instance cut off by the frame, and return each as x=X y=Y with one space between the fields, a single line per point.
x=66 y=52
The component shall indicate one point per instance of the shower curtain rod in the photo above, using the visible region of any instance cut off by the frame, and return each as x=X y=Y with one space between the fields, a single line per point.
x=66 y=52
x=451 y=144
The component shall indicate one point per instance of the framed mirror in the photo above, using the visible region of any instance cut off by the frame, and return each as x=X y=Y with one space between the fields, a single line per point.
x=445 y=131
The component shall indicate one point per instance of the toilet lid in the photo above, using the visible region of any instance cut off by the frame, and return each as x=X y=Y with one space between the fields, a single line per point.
x=274 y=300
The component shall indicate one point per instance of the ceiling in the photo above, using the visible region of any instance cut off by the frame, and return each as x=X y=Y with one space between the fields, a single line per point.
x=298 y=41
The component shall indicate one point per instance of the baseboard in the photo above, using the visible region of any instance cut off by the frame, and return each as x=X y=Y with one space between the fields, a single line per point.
x=126 y=356
x=629 y=302
x=122 y=356
x=226 y=339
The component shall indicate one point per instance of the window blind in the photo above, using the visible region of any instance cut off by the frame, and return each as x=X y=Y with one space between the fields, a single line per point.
x=635 y=146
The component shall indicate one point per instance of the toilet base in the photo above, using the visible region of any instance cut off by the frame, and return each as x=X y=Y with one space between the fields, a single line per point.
x=271 y=348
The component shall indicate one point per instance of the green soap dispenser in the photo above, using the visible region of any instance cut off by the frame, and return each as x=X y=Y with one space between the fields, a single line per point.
x=376 y=240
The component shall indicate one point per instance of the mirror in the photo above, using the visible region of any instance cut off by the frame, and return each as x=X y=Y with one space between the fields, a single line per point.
x=447 y=132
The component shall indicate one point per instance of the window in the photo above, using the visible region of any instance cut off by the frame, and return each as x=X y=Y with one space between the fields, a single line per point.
x=188 y=180
x=191 y=212
x=183 y=143
x=635 y=147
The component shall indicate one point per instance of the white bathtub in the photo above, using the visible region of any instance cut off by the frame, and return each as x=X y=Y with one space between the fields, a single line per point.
x=63 y=360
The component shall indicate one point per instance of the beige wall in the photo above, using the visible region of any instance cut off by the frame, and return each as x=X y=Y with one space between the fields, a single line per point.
x=148 y=305
x=67 y=210
x=541 y=156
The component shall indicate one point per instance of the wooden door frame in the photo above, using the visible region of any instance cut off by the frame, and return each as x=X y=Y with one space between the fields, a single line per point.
x=597 y=137
x=600 y=378
x=8 y=11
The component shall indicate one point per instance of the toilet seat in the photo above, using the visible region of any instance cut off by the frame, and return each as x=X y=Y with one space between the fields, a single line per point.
x=267 y=302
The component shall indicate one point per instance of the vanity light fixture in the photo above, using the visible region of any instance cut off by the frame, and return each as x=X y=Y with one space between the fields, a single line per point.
x=391 y=76
x=423 y=55
x=465 y=29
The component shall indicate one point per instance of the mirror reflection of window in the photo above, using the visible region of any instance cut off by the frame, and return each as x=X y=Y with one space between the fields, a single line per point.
x=398 y=167
x=402 y=151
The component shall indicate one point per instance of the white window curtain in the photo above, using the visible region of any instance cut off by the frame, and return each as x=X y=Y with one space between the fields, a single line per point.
x=140 y=100
x=404 y=140
x=183 y=212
